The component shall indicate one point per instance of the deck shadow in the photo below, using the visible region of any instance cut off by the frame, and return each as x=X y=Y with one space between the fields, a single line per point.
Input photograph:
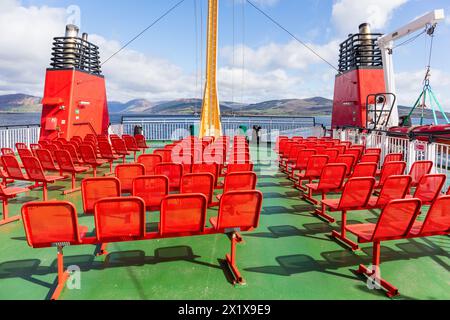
x=276 y=232
x=296 y=210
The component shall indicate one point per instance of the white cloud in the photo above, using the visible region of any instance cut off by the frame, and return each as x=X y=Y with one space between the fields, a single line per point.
x=348 y=14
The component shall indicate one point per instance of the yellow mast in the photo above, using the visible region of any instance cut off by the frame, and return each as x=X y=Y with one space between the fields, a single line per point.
x=210 y=123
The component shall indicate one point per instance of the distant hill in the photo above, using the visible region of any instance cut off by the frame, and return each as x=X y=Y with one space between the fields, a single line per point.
x=20 y=103
x=316 y=106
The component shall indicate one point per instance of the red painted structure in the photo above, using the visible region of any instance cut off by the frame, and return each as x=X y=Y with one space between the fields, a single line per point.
x=350 y=93
x=74 y=104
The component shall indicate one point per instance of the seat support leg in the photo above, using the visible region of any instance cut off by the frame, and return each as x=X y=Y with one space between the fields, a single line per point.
x=231 y=259
x=74 y=187
x=374 y=273
x=309 y=197
x=343 y=235
x=44 y=192
x=7 y=219
x=323 y=212
x=103 y=250
x=62 y=274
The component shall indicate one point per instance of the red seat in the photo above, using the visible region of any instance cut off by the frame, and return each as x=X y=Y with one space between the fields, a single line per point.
x=36 y=173
x=20 y=145
x=183 y=214
x=349 y=160
x=12 y=168
x=373 y=151
x=301 y=162
x=107 y=153
x=131 y=145
x=418 y=170
x=239 y=181
x=240 y=157
x=173 y=171
x=126 y=173
x=239 y=167
x=90 y=158
x=331 y=179
x=120 y=219
x=212 y=168
x=120 y=148
x=292 y=156
x=354 y=151
x=5 y=195
x=66 y=165
x=332 y=154
x=72 y=150
x=166 y=155
x=198 y=183
x=429 y=188
x=394 y=188
x=437 y=221
x=356 y=195
x=24 y=152
x=150 y=161
x=370 y=157
x=365 y=169
x=141 y=142
x=7 y=152
x=395 y=222
x=313 y=170
x=152 y=189
x=394 y=168
x=47 y=160
x=95 y=189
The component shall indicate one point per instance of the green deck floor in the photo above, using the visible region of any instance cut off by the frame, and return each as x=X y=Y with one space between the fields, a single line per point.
x=290 y=256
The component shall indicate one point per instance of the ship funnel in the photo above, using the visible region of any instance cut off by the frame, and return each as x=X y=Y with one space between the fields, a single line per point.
x=70 y=45
x=366 y=50
x=85 y=36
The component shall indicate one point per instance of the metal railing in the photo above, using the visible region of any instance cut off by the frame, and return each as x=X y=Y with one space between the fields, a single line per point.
x=414 y=148
x=11 y=135
x=175 y=127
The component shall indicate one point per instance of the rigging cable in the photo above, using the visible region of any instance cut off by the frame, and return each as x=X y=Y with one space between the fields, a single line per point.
x=144 y=30
x=293 y=36
x=234 y=51
x=243 y=52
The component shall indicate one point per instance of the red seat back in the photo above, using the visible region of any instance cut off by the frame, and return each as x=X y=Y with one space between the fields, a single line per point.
x=393 y=157
x=373 y=151
x=126 y=173
x=64 y=160
x=7 y=152
x=370 y=157
x=356 y=194
x=397 y=219
x=141 y=141
x=88 y=154
x=150 y=161
x=332 y=154
x=198 y=183
x=240 y=181
x=430 y=187
x=349 y=160
x=315 y=166
x=354 y=151
x=212 y=168
x=70 y=148
x=332 y=176
x=46 y=159
x=95 y=189
x=303 y=157
x=173 y=171
x=419 y=169
x=120 y=219
x=12 y=167
x=394 y=188
x=49 y=223
x=105 y=149
x=130 y=143
x=119 y=146
x=34 y=169
x=20 y=145
x=240 y=167
x=184 y=213
x=152 y=189
x=239 y=210
x=165 y=154
x=24 y=152
x=394 y=168
x=365 y=169
x=437 y=220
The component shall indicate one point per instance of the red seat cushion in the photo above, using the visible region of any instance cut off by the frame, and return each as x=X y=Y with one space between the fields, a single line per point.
x=363 y=231
x=332 y=203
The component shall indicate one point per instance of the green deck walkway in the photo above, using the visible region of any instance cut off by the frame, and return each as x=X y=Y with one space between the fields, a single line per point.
x=290 y=256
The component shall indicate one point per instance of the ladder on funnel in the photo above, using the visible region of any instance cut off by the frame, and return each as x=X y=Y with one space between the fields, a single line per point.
x=379 y=110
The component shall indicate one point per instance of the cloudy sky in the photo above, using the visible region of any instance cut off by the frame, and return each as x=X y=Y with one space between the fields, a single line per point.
x=257 y=60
